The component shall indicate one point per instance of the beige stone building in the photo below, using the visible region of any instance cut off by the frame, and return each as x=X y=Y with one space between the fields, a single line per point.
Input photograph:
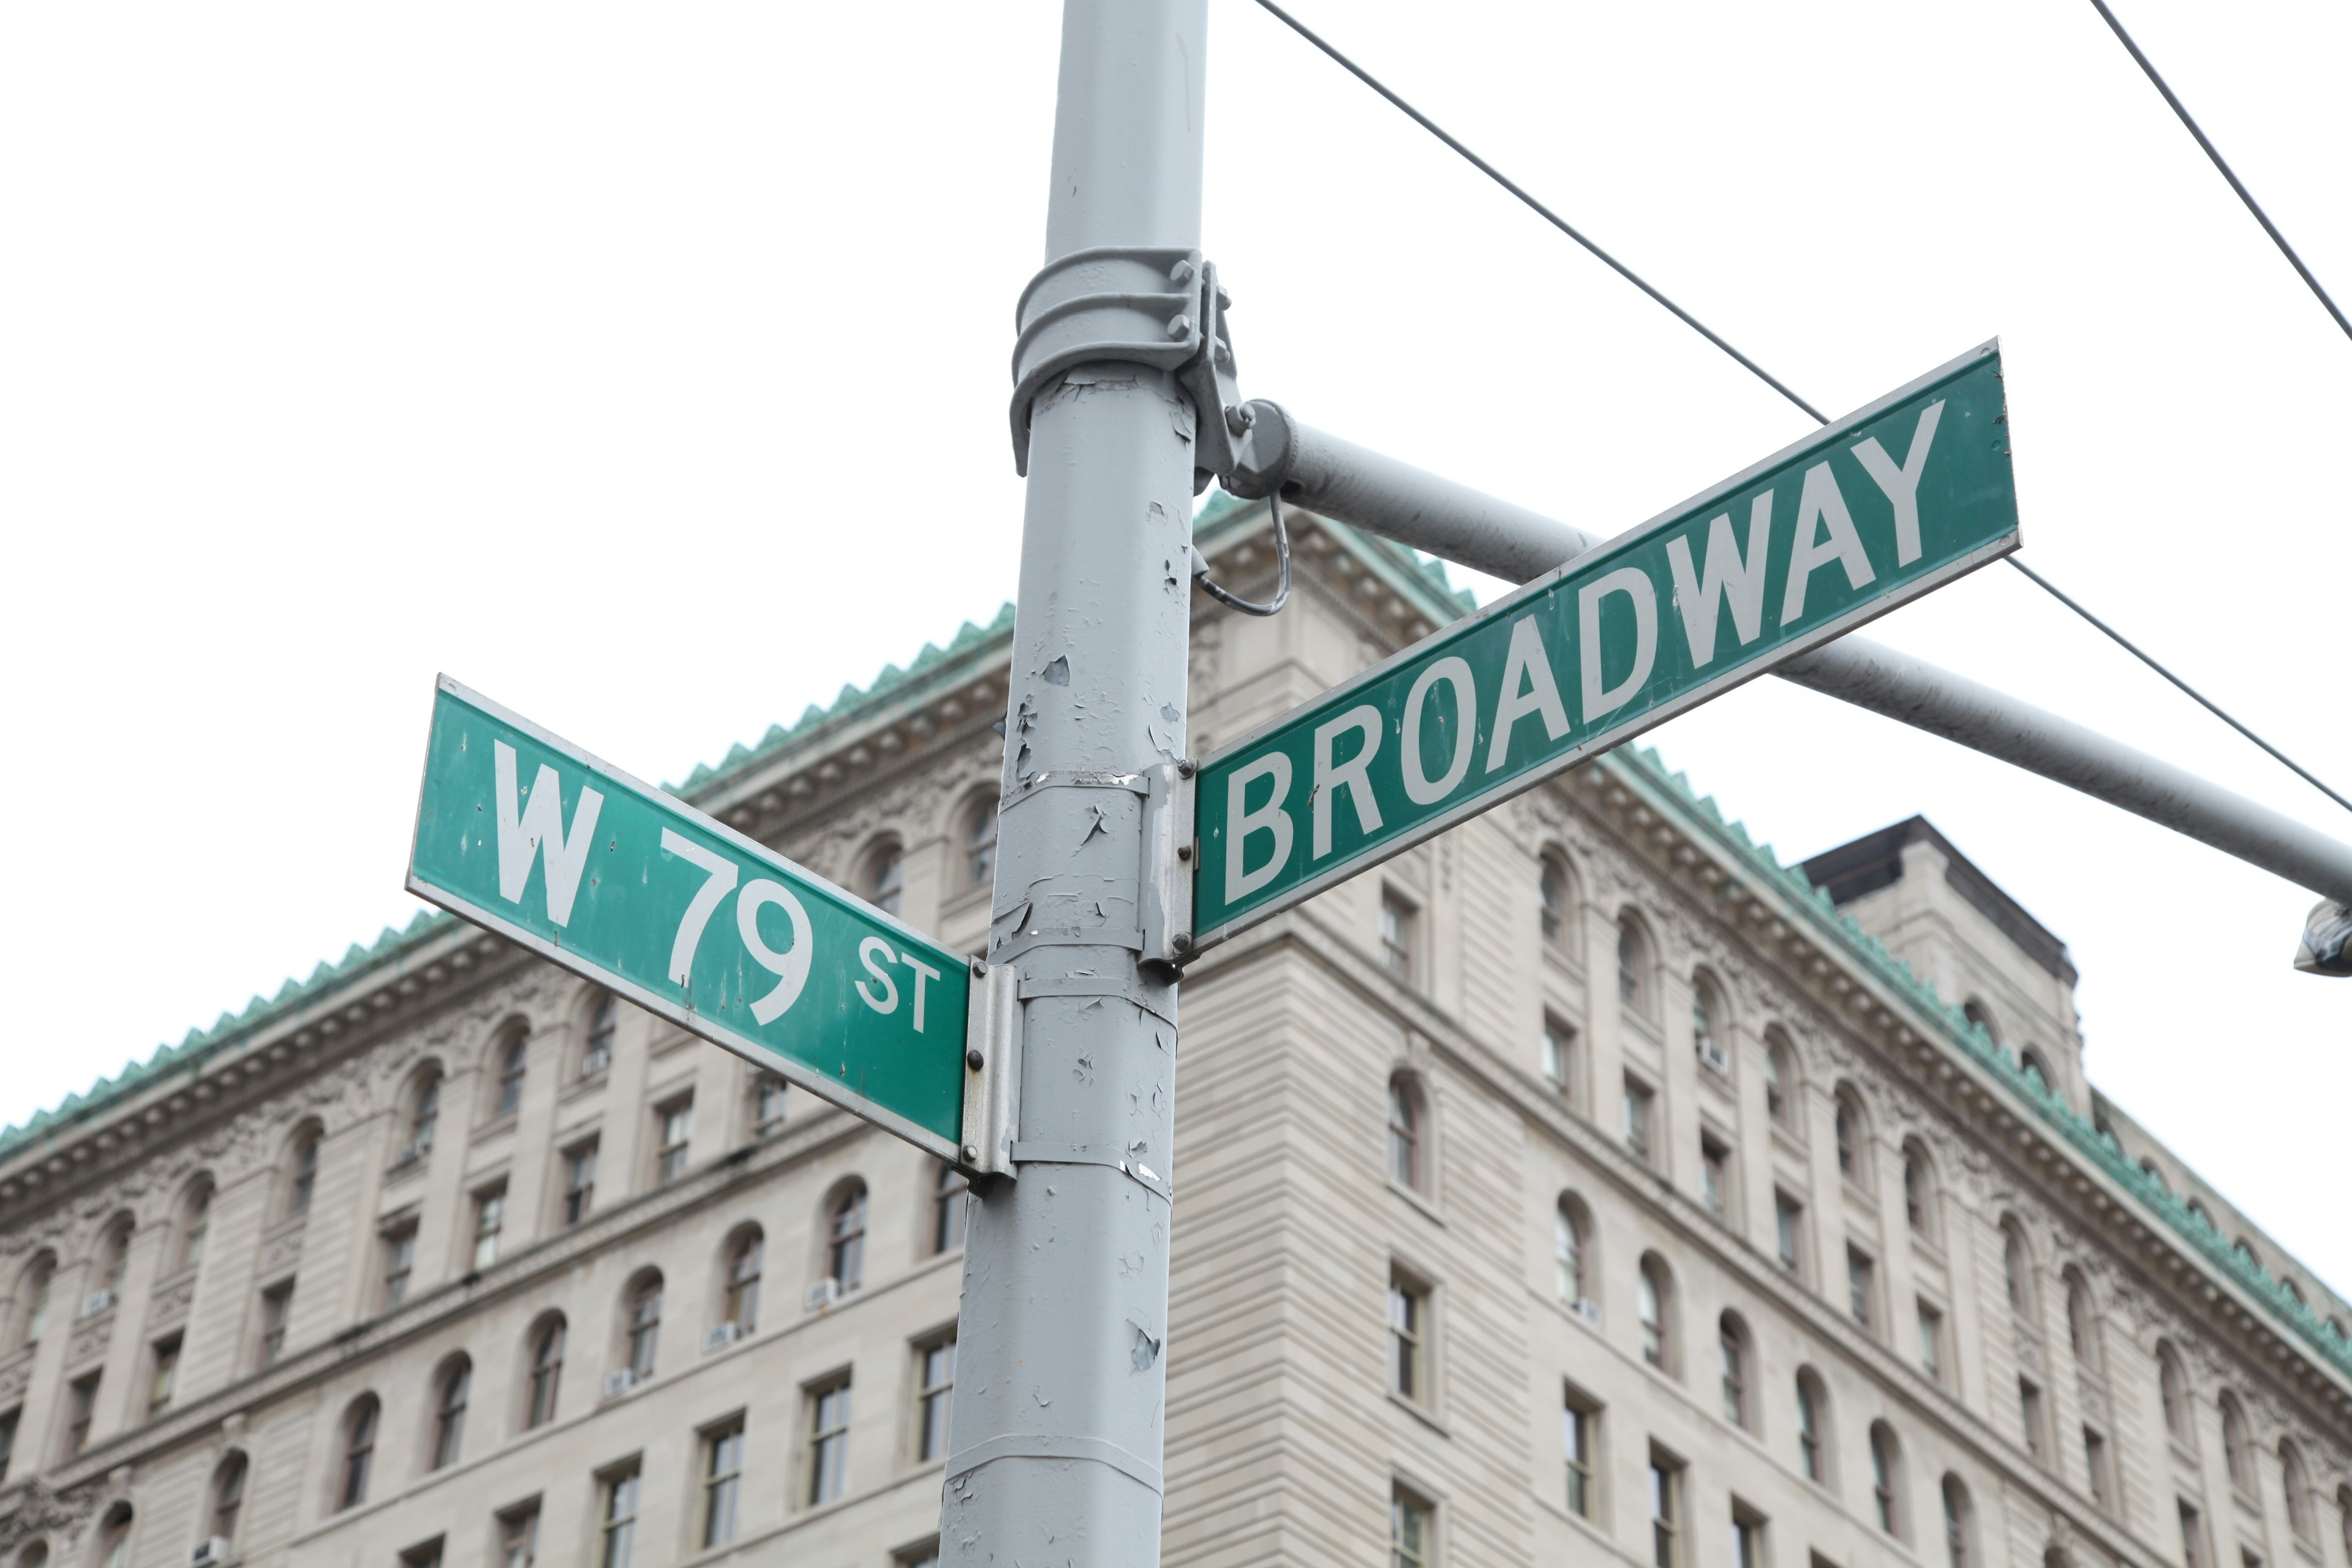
x=1581 y=1187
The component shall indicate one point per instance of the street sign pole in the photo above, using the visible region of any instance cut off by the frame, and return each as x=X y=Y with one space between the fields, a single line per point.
x=1056 y=1435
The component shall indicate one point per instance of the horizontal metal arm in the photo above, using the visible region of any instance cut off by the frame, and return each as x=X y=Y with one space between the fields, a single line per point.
x=1379 y=495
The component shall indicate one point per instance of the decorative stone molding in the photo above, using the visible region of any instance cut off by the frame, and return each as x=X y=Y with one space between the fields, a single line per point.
x=91 y=1338
x=169 y=1307
x=60 y=1516
x=16 y=1371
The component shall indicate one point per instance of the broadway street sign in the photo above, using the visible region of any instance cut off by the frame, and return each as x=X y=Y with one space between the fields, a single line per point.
x=1877 y=508
x=528 y=835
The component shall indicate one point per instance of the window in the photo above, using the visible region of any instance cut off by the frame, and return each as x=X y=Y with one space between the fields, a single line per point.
x=1633 y=966
x=1956 y=1523
x=1732 y=1340
x=617 y=1533
x=2082 y=1335
x=1779 y=1080
x=116 y=1250
x=1812 y=1413
x=37 y=1281
x=164 y=1374
x=449 y=1413
x=514 y=1058
x=277 y=1305
x=2017 y=1270
x=546 y=1373
x=1746 y=1536
x=423 y=1116
x=1568 y=1251
x=8 y=1420
x=723 y=1482
x=645 y=1325
x=2029 y=1416
x=1861 y=1284
x=1408 y=1338
x=426 y=1556
x=767 y=1106
x=1638 y=1104
x=935 y=1382
x=1652 y=1293
x=603 y=1026
x=2174 y=1386
x=1714 y=1177
x=1977 y=1014
x=519 y=1537
x=1405 y=1130
x=2300 y=1515
x=305 y=1179
x=2239 y=1457
x=1559 y=1053
x=828 y=1442
x=195 y=1224
x=229 y=1496
x=980 y=842
x=114 y=1540
x=672 y=1138
x=1552 y=902
x=489 y=1221
x=1704 y=1042
x=1397 y=917
x=2192 y=1537
x=2094 y=1465
x=846 y=1246
x=578 y=1182
x=81 y=1404
x=1580 y=1424
x=1931 y=1341
x=1917 y=1187
x=744 y=1260
x=1885 y=1479
x=1847 y=1121
x=1410 y=1535
x=948 y=1188
x=359 y=1453
x=884 y=882
x=399 y=1247
x=1665 y=1512
x=1788 y=1231
x=2036 y=1071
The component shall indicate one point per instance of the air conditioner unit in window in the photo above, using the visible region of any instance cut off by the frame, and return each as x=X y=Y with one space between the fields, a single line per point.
x=1589 y=1309
x=720 y=1336
x=824 y=1294
x=1711 y=1052
x=97 y=1302
x=210 y=1552
x=616 y=1383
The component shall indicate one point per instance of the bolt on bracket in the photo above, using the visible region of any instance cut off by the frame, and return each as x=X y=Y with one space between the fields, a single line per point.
x=991 y=1075
x=1170 y=860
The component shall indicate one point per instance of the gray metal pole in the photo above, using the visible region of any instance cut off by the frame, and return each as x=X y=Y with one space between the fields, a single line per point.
x=1325 y=474
x=1055 y=1436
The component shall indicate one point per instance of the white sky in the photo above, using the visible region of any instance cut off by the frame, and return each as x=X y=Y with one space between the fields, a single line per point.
x=645 y=367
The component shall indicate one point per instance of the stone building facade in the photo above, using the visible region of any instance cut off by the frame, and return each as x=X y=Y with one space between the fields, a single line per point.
x=1584 y=1187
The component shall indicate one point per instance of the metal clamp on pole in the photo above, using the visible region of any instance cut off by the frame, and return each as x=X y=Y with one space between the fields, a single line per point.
x=1169 y=859
x=992 y=1070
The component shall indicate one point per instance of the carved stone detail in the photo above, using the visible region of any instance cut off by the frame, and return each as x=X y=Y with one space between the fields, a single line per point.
x=170 y=1306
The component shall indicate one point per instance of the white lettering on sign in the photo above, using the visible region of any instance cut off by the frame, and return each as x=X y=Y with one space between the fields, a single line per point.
x=1902 y=485
x=874 y=947
x=924 y=975
x=1725 y=579
x=792 y=968
x=1331 y=777
x=1528 y=689
x=699 y=909
x=525 y=832
x=1241 y=824
x=1822 y=506
x=1419 y=787
x=1634 y=584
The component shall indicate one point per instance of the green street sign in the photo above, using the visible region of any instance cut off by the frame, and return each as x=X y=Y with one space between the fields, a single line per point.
x=531 y=838
x=1872 y=511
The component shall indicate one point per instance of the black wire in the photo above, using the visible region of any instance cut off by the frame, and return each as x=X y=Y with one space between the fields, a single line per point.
x=1550 y=216
x=2236 y=185
x=1282 y=560
x=2056 y=592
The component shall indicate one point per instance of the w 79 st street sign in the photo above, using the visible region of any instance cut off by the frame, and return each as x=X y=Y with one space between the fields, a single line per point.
x=1879 y=508
x=529 y=836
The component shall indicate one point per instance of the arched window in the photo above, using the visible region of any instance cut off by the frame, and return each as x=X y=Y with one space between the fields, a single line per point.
x=33 y=1299
x=948 y=1190
x=883 y=879
x=745 y=1256
x=844 y=1252
x=2344 y=1517
x=359 y=1452
x=1779 y=1080
x=2173 y=1384
x=114 y=1258
x=2017 y=1268
x=603 y=1029
x=980 y=841
x=1706 y=1024
x=2037 y=1071
x=1555 y=903
x=2301 y=1517
x=1654 y=1301
x=1632 y=965
x=1405 y=1130
x=2082 y=1327
x=424 y=1115
x=1569 y=1230
x=456 y=1385
x=114 y=1538
x=1887 y=1479
x=2147 y=1163
x=195 y=1223
x=1918 y=1191
x=546 y=1372
x=303 y=1170
x=1958 y=1524
x=1813 y=1427
x=645 y=1323
x=36 y=1555
x=2245 y=1249
x=227 y=1496
x=1853 y=1137
x=2235 y=1450
x=1977 y=1012
x=512 y=1061
x=2293 y=1292
x=1731 y=1337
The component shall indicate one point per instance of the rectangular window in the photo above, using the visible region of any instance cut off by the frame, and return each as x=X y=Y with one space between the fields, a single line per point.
x=8 y=1439
x=675 y=1134
x=489 y=1224
x=399 y=1262
x=1789 y=1228
x=578 y=1182
x=1410 y=1532
x=2192 y=1538
x=1860 y=1279
x=2029 y=1415
x=2095 y=1461
x=81 y=1402
x=828 y=1442
x=767 y=1106
x=166 y=1373
x=723 y=1482
x=276 y=1306
x=1746 y=1536
x=924 y=1556
x=1931 y=1341
x=1408 y=1338
x=1397 y=917
x=617 y=1531
x=1715 y=1176
x=1580 y=1427
x=935 y=1382
x=1665 y=1512
x=519 y=1537
x=1558 y=1052
x=426 y=1556
x=1638 y=1105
